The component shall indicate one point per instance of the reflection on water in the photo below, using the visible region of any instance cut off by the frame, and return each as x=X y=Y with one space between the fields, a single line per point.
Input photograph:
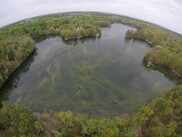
x=99 y=76
x=12 y=82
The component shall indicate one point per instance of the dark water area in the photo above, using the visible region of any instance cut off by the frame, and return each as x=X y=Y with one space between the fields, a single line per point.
x=102 y=76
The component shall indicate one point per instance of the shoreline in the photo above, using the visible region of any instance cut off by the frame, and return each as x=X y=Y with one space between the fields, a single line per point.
x=20 y=64
x=76 y=38
x=81 y=37
x=148 y=64
x=32 y=52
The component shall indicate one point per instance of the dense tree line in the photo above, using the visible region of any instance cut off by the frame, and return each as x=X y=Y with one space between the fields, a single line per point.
x=161 y=118
x=166 y=49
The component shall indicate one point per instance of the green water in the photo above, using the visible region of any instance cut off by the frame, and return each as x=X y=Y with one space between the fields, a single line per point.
x=98 y=76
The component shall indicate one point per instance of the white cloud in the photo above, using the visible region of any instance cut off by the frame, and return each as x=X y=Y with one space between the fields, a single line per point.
x=166 y=13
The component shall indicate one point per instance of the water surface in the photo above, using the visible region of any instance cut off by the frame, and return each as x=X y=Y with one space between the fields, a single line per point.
x=98 y=76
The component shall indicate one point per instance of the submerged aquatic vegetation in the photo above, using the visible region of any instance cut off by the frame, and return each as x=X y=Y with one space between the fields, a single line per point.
x=162 y=117
x=100 y=76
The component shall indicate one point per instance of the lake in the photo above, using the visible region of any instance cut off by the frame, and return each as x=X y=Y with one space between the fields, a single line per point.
x=102 y=76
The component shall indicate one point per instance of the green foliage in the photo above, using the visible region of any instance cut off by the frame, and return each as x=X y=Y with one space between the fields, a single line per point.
x=162 y=56
x=69 y=33
x=99 y=127
x=166 y=48
x=103 y=23
x=166 y=120
x=20 y=120
x=13 y=51
x=69 y=125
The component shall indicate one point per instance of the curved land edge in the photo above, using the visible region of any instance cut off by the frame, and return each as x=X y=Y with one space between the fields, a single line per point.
x=160 y=118
x=166 y=48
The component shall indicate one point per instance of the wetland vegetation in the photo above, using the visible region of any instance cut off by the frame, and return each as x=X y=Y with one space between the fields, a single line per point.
x=103 y=75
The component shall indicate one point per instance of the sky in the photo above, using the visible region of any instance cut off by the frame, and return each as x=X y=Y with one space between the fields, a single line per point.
x=166 y=13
